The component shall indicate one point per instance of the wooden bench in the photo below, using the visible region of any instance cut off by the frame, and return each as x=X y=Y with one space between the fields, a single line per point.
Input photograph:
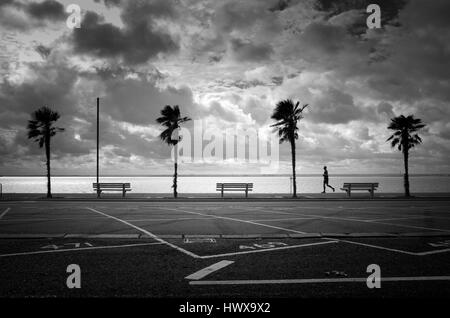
x=354 y=186
x=123 y=187
x=222 y=187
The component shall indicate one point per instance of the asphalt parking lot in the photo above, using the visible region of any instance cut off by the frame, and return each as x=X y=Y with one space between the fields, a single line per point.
x=222 y=249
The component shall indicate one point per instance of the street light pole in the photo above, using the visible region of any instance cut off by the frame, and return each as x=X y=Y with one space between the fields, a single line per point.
x=98 y=124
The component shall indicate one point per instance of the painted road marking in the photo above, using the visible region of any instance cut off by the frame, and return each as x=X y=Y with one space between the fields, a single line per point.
x=267 y=245
x=287 y=219
x=147 y=232
x=199 y=240
x=379 y=247
x=319 y=280
x=400 y=218
x=399 y=251
x=236 y=220
x=434 y=252
x=410 y=226
x=75 y=245
x=268 y=249
x=367 y=213
x=4 y=213
x=19 y=220
x=78 y=249
x=440 y=244
x=208 y=270
x=162 y=219
x=370 y=221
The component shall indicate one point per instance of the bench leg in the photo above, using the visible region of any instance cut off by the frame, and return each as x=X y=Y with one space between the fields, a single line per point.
x=222 y=191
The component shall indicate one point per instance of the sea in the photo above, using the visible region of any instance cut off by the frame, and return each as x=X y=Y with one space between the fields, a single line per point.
x=207 y=183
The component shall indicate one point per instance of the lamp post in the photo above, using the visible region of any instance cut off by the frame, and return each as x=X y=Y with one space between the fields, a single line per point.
x=98 y=125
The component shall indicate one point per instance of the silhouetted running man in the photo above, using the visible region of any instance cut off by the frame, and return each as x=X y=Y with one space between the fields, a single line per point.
x=325 y=179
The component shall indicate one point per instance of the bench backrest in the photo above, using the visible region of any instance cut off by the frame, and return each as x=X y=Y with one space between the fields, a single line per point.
x=356 y=185
x=112 y=185
x=234 y=185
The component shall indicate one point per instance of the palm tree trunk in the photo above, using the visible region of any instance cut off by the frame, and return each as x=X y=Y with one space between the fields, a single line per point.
x=47 y=155
x=294 y=195
x=175 y=194
x=406 y=176
x=175 y=175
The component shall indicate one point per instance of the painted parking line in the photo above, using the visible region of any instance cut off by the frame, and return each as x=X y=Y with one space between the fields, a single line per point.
x=397 y=250
x=163 y=219
x=367 y=214
x=399 y=218
x=19 y=220
x=285 y=219
x=4 y=213
x=236 y=220
x=433 y=252
x=146 y=232
x=268 y=249
x=265 y=210
x=319 y=280
x=351 y=219
x=379 y=247
x=407 y=226
x=364 y=221
x=79 y=249
x=208 y=270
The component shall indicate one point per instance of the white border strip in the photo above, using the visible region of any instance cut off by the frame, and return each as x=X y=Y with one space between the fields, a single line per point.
x=318 y=280
x=147 y=232
x=208 y=270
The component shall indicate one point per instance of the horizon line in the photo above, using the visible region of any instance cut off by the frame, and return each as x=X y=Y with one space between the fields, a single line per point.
x=228 y=175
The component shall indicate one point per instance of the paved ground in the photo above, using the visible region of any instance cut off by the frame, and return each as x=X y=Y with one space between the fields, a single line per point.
x=222 y=249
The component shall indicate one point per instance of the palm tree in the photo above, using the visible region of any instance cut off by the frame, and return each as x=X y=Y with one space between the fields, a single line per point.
x=171 y=120
x=404 y=138
x=286 y=115
x=41 y=129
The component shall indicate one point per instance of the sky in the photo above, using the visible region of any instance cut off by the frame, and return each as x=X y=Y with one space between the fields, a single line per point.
x=225 y=63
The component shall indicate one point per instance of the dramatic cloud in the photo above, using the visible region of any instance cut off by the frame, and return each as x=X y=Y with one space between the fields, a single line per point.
x=18 y=15
x=226 y=63
x=143 y=98
x=138 y=41
x=135 y=44
x=48 y=9
x=247 y=51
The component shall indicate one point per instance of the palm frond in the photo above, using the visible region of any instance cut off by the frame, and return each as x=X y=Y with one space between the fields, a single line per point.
x=403 y=128
x=40 y=127
x=171 y=119
x=286 y=115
